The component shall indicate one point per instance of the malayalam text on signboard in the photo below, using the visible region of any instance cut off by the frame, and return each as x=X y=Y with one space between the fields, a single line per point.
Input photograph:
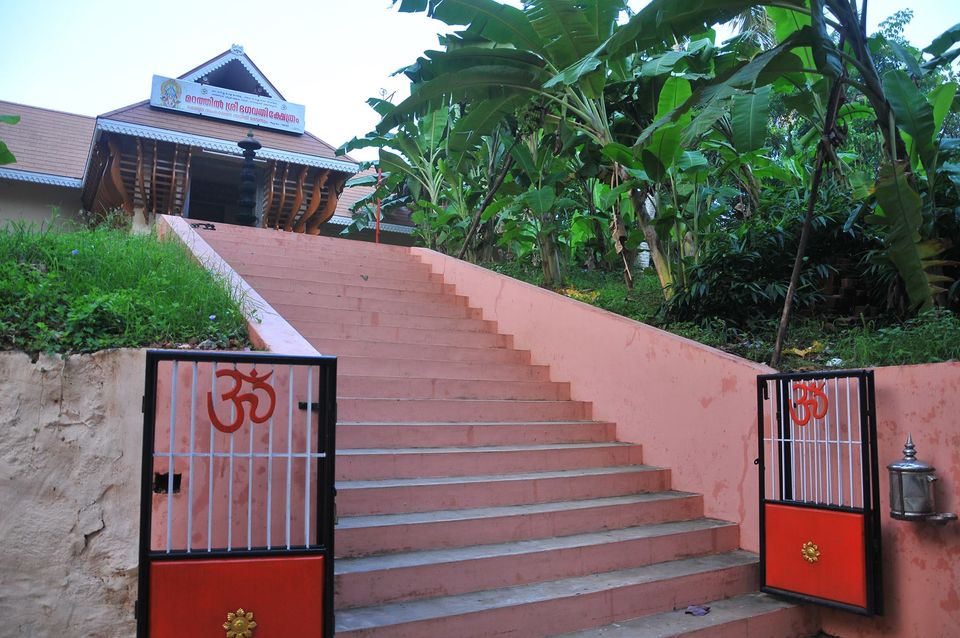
x=225 y=104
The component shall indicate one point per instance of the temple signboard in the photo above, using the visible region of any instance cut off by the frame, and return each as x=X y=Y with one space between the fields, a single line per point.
x=225 y=104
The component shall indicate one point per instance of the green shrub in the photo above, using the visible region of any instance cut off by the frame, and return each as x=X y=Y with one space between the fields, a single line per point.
x=103 y=288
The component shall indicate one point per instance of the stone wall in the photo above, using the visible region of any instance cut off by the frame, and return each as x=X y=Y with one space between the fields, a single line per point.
x=70 y=450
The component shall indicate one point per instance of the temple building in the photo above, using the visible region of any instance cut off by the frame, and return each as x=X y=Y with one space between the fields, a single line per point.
x=177 y=153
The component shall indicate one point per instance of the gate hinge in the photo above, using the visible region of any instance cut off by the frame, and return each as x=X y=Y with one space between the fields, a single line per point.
x=303 y=405
x=143 y=404
x=136 y=609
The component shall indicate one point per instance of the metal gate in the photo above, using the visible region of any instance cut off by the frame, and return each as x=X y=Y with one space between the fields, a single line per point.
x=819 y=498
x=237 y=496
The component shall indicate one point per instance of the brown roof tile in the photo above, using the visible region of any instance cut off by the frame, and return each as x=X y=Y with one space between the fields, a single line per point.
x=46 y=141
x=145 y=115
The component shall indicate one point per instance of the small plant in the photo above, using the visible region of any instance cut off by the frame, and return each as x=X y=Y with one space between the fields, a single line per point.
x=64 y=292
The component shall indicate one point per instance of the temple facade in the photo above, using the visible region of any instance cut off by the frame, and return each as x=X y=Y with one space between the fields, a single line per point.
x=177 y=153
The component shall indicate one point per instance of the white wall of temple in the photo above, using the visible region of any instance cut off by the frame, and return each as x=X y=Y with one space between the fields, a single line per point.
x=37 y=203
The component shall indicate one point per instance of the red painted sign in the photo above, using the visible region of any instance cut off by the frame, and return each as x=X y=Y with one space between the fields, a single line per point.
x=809 y=401
x=240 y=401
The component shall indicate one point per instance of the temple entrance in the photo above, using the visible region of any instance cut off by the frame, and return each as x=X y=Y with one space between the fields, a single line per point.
x=214 y=190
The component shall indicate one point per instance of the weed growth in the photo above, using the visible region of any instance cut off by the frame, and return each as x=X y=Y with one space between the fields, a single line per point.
x=87 y=290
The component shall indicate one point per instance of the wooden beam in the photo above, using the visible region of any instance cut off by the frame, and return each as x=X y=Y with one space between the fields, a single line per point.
x=186 y=181
x=116 y=180
x=297 y=200
x=153 y=181
x=173 y=179
x=269 y=198
x=315 y=198
x=333 y=196
x=283 y=196
x=140 y=186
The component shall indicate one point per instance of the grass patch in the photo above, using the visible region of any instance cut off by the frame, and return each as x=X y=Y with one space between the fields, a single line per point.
x=67 y=292
x=812 y=343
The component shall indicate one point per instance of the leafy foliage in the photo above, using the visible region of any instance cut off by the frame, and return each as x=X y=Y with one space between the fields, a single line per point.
x=88 y=290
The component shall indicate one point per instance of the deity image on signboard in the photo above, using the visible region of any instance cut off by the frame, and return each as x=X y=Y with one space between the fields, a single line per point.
x=170 y=94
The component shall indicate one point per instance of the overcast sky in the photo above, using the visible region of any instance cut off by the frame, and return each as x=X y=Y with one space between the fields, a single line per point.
x=93 y=56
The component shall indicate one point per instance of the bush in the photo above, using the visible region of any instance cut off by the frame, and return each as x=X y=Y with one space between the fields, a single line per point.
x=103 y=288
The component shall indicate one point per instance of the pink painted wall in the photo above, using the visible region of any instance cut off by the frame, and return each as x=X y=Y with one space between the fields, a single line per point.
x=921 y=569
x=692 y=407
x=694 y=410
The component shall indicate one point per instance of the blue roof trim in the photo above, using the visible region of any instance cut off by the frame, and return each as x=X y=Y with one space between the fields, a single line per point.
x=40 y=178
x=221 y=146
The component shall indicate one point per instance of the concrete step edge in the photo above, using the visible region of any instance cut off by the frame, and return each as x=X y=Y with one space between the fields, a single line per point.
x=723 y=614
x=401 y=560
x=494 y=478
x=481 y=513
x=531 y=594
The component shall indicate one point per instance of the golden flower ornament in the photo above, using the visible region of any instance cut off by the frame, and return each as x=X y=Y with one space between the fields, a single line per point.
x=810 y=552
x=240 y=624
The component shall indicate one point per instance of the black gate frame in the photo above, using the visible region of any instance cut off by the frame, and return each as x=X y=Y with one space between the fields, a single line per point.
x=869 y=474
x=326 y=412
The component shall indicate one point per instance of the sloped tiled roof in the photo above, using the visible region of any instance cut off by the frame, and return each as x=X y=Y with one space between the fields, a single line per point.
x=352 y=194
x=143 y=114
x=47 y=141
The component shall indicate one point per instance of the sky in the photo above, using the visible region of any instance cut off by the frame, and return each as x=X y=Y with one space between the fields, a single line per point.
x=93 y=56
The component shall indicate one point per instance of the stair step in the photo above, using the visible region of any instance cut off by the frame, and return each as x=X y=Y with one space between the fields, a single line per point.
x=378 y=464
x=300 y=280
x=548 y=608
x=367 y=292
x=441 y=388
x=392 y=496
x=364 y=348
x=294 y=306
x=375 y=409
x=293 y=266
x=230 y=236
x=382 y=435
x=443 y=529
x=318 y=259
x=421 y=368
x=752 y=615
x=363 y=318
x=394 y=577
x=321 y=330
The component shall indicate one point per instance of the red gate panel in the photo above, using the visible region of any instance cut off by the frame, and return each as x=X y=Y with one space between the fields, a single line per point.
x=816 y=551
x=819 y=500
x=192 y=598
x=237 y=496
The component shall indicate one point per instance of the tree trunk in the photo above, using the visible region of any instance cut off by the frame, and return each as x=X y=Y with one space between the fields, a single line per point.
x=549 y=256
x=660 y=262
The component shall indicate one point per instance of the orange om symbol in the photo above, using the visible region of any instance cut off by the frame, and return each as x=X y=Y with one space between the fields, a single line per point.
x=251 y=398
x=810 y=401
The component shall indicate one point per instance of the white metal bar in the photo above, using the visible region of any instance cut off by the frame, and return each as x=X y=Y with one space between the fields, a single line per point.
x=836 y=396
x=213 y=389
x=247 y=455
x=828 y=467
x=850 y=446
x=307 y=450
x=193 y=442
x=269 y=479
x=233 y=416
x=816 y=454
x=774 y=460
x=289 y=458
x=173 y=427
x=250 y=487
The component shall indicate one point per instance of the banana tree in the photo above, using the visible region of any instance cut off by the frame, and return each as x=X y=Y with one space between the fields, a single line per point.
x=503 y=59
x=409 y=158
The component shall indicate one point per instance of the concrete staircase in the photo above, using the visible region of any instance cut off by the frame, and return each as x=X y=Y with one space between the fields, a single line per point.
x=475 y=498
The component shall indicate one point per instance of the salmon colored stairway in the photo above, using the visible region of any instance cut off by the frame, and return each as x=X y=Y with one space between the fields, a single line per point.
x=475 y=498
